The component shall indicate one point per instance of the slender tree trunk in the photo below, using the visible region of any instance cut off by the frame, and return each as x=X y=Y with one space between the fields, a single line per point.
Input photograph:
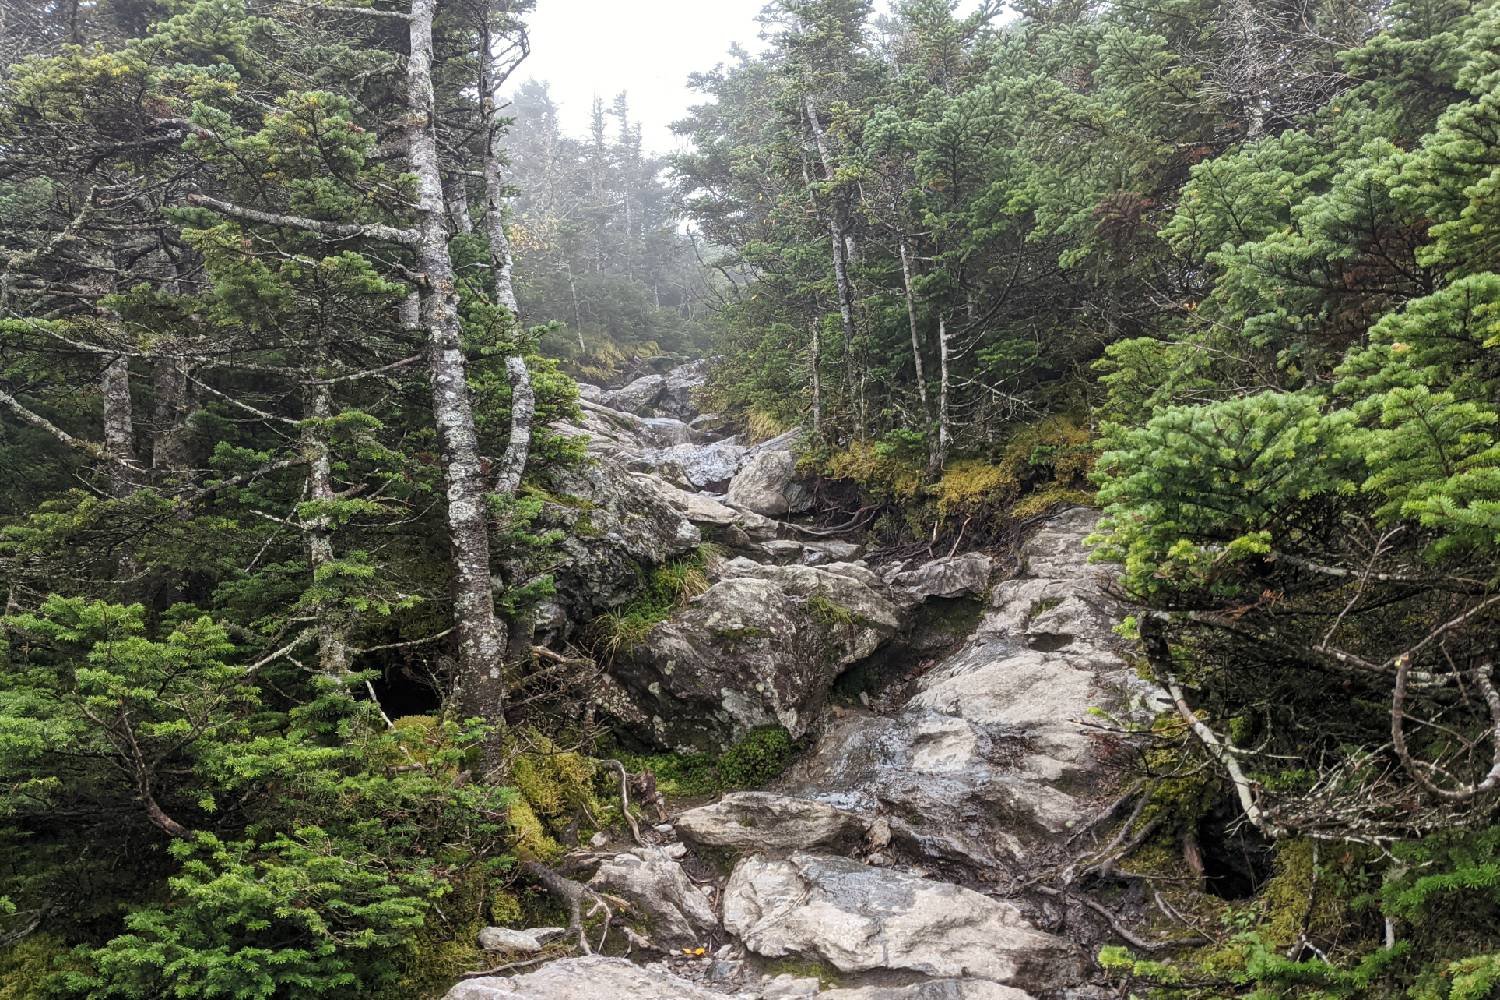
x=846 y=302
x=940 y=457
x=817 y=376
x=841 y=246
x=502 y=266
x=458 y=204
x=916 y=338
x=333 y=644
x=119 y=426
x=481 y=642
x=170 y=384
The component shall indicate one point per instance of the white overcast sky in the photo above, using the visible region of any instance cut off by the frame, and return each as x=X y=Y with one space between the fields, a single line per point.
x=644 y=47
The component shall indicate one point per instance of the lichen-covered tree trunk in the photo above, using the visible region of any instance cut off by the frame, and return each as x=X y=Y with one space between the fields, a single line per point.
x=119 y=426
x=502 y=267
x=480 y=683
x=916 y=338
x=333 y=644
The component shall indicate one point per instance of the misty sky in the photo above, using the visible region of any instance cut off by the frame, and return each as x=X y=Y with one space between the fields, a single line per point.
x=645 y=47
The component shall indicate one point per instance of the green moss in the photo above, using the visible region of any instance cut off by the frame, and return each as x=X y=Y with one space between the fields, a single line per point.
x=881 y=469
x=26 y=966
x=804 y=968
x=665 y=588
x=531 y=837
x=555 y=786
x=447 y=945
x=759 y=757
x=830 y=612
x=505 y=908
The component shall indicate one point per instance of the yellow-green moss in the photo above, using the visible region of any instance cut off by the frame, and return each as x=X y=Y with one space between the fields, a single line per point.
x=532 y=839
x=25 y=965
x=802 y=968
x=554 y=786
x=969 y=485
x=445 y=947
x=879 y=471
x=505 y=908
x=763 y=425
x=1043 y=465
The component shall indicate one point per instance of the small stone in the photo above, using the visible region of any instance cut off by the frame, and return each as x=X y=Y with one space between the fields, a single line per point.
x=598 y=840
x=675 y=851
x=786 y=986
x=665 y=828
x=721 y=971
x=508 y=940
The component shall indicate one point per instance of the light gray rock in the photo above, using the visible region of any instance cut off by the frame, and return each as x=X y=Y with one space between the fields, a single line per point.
x=614 y=522
x=782 y=549
x=681 y=388
x=859 y=919
x=993 y=758
x=594 y=978
x=666 y=432
x=508 y=940
x=700 y=466
x=762 y=821
x=769 y=484
x=831 y=551
x=639 y=397
x=761 y=647
x=967 y=575
x=659 y=890
x=789 y=987
x=937 y=989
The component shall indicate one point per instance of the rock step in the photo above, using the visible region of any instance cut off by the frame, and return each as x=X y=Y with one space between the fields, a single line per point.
x=619 y=979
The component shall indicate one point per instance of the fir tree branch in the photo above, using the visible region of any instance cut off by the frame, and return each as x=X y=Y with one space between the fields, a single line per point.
x=334 y=230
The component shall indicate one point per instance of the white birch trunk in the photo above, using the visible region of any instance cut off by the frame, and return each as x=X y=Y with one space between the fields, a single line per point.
x=119 y=426
x=481 y=642
x=333 y=645
x=916 y=338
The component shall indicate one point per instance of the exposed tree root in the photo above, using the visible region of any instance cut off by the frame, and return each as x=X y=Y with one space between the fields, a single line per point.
x=572 y=895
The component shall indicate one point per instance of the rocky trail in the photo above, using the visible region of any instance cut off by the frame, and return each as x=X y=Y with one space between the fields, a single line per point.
x=933 y=842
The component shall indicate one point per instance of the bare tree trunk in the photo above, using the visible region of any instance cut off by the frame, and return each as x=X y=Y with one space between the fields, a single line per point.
x=945 y=440
x=170 y=384
x=842 y=246
x=481 y=642
x=458 y=204
x=846 y=301
x=502 y=266
x=333 y=645
x=817 y=376
x=119 y=426
x=916 y=339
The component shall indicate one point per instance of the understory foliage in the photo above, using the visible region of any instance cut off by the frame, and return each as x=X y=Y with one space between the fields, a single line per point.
x=1234 y=267
x=270 y=494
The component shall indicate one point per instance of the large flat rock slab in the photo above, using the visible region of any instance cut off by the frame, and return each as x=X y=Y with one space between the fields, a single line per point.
x=762 y=821
x=995 y=757
x=859 y=918
x=586 y=979
x=937 y=989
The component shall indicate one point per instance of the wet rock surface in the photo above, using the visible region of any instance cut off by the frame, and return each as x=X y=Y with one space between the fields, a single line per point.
x=859 y=918
x=760 y=647
x=964 y=761
x=656 y=887
x=762 y=821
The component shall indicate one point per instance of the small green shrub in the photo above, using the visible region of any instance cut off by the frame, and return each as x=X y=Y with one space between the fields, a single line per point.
x=757 y=758
x=760 y=757
x=667 y=588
